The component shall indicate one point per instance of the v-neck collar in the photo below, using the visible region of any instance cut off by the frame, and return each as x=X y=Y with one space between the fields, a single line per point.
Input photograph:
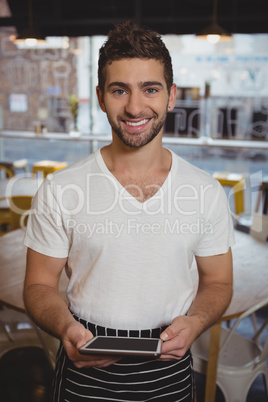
x=140 y=205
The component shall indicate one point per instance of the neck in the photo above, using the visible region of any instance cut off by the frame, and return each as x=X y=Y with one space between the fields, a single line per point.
x=120 y=158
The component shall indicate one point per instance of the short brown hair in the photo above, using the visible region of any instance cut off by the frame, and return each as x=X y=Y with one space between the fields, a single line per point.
x=128 y=41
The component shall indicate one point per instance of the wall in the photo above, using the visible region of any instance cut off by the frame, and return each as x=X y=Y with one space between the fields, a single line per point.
x=35 y=85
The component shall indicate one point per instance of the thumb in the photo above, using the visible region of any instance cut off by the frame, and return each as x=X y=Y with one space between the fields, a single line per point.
x=168 y=334
x=84 y=337
x=78 y=335
x=173 y=329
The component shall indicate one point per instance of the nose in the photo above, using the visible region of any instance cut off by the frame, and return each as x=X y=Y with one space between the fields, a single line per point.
x=135 y=104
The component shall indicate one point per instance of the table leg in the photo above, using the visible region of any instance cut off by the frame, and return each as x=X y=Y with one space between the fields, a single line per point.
x=211 y=376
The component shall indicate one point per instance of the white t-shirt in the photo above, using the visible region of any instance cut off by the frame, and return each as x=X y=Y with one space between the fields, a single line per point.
x=129 y=262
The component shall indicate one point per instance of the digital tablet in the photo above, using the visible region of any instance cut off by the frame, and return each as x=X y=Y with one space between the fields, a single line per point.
x=114 y=345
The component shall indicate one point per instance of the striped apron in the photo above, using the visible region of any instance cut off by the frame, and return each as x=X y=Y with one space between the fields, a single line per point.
x=130 y=379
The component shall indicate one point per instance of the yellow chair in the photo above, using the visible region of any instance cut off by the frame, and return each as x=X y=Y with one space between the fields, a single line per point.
x=47 y=167
x=8 y=172
x=19 y=208
x=4 y=220
x=237 y=182
x=4 y=211
x=16 y=215
x=17 y=165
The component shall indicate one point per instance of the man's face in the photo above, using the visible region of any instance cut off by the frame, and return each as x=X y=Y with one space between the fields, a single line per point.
x=136 y=100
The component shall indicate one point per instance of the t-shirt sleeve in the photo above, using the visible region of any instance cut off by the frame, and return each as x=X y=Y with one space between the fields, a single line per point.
x=45 y=230
x=218 y=235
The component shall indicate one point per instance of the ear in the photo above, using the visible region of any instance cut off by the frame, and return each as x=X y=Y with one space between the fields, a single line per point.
x=100 y=99
x=172 y=97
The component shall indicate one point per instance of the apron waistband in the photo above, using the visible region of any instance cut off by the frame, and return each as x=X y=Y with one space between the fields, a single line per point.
x=98 y=330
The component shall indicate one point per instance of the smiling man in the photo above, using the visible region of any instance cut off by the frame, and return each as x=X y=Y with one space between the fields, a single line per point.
x=136 y=109
x=134 y=281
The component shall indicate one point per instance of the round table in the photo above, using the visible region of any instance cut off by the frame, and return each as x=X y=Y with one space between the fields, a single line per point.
x=12 y=271
x=250 y=271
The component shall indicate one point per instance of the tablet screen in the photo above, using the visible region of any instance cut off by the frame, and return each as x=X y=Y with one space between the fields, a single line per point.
x=120 y=343
x=123 y=345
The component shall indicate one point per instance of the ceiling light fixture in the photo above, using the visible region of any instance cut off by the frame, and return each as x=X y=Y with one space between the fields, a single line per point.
x=214 y=33
x=30 y=36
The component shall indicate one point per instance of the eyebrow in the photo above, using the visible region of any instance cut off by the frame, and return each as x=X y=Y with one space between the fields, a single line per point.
x=143 y=84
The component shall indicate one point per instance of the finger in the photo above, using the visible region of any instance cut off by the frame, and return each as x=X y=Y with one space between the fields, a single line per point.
x=83 y=339
x=166 y=335
x=168 y=357
x=99 y=362
x=170 y=332
x=105 y=363
x=176 y=343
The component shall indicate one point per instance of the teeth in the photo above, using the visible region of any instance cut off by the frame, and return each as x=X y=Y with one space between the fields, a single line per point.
x=138 y=123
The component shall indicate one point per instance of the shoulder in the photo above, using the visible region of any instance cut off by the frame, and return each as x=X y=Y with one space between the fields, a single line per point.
x=74 y=172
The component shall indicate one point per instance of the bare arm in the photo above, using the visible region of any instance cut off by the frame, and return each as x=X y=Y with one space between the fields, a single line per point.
x=41 y=294
x=50 y=312
x=212 y=299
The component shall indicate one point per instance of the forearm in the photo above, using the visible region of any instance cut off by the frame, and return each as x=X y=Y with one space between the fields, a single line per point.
x=209 y=305
x=50 y=312
x=47 y=309
x=215 y=290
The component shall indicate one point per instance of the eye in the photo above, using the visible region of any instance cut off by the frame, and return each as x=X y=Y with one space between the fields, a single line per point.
x=151 y=91
x=119 y=92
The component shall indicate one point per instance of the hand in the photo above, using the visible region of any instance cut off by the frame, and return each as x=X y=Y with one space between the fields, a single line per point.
x=76 y=335
x=178 y=337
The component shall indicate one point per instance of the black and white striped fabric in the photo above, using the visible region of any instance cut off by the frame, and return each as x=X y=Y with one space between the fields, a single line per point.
x=130 y=379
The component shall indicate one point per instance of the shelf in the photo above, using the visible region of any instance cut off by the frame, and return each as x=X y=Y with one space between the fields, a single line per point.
x=172 y=140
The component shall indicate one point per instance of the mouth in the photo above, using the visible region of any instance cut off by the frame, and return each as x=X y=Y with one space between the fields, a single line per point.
x=136 y=126
x=136 y=123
